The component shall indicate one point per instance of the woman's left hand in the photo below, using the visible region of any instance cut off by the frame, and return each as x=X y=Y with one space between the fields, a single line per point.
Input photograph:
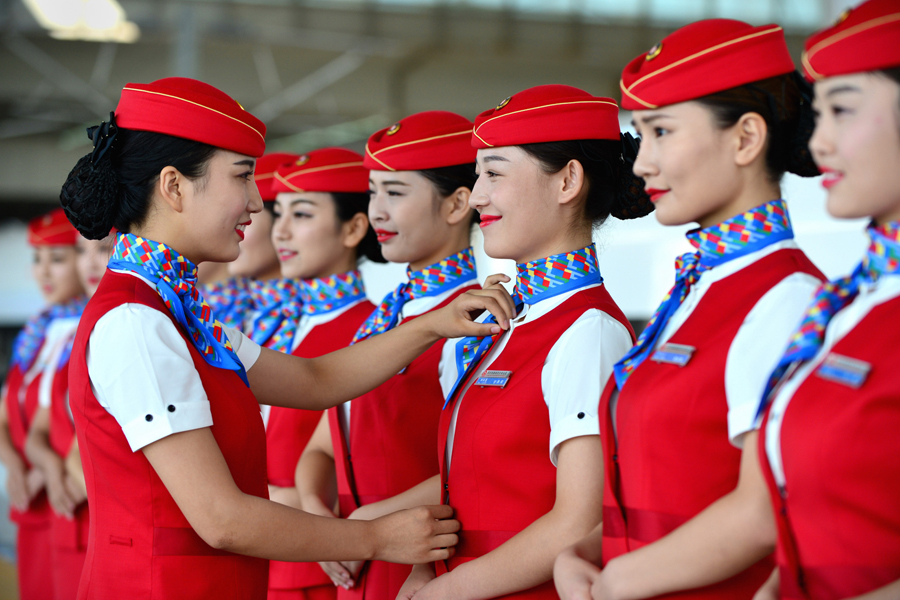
x=438 y=588
x=457 y=319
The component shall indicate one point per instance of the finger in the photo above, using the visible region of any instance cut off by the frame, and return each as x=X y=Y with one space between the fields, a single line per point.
x=444 y=541
x=495 y=279
x=501 y=295
x=446 y=526
x=440 y=511
x=439 y=554
x=491 y=304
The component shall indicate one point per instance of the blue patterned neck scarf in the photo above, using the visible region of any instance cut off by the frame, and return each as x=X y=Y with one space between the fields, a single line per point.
x=272 y=299
x=29 y=341
x=430 y=281
x=535 y=281
x=882 y=258
x=738 y=236
x=231 y=299
x=312 y=297
x=175 y=278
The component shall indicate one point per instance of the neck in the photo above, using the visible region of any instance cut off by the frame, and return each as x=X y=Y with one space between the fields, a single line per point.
x=751 y=196
x=570 y=244
x=344 y=264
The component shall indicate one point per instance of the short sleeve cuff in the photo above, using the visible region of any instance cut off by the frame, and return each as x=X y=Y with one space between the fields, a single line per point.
x=572 y=426
x=246 y=349
x=741 y=419
x=177 y=417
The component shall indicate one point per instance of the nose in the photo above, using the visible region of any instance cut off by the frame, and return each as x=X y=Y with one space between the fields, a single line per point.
x=820 y=144
x=377 y=214
x=280 y=230
x=255 y=204
x=643 y=164
x=478 y=199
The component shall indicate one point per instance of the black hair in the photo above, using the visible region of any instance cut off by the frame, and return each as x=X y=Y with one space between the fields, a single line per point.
x=785 y=103
x=447 y=180
x=349 y=204
x=115 y=190
x=612 y=187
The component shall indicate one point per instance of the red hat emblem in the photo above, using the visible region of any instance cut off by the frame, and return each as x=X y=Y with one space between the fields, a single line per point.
x=654 y=52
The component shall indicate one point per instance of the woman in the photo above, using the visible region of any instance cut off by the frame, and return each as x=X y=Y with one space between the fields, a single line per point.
x=320 y=233
x=715 y=144
x=53 y=239
x=420 y=180
x=174 y=455
x=516 y=434
x=50 y=444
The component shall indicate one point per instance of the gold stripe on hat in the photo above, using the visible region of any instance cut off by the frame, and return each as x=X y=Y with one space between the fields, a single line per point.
x=259 y=176
x=521 y=110
x=809 y=68
x=428 y=139
x=197 y=104
x=284 y=179
x=677 y=63
x=841 y=35
x=633 y=97
x=375 y=158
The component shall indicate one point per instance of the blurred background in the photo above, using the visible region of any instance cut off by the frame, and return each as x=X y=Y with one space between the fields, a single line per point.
x=331 y=73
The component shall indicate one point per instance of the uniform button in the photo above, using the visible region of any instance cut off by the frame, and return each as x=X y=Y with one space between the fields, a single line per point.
x=149 y=418
x=171 y=408
x=580 y=415
x=446 y=486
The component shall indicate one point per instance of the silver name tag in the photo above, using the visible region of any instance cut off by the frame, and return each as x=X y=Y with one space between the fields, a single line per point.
x=675 y=354
x=844 y=370
x=494 y=379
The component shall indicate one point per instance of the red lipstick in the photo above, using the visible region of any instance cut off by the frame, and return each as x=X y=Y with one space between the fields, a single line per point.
x=831 y=177
x=488 y=219
x=384 y=235
x=655 y=194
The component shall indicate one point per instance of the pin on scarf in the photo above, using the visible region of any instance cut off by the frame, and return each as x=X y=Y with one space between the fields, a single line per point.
x=675 y=354
x=494 y=379
x=844 y=370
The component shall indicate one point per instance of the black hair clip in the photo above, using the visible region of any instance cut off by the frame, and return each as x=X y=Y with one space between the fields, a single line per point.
x=103 y=136
x=630 y=148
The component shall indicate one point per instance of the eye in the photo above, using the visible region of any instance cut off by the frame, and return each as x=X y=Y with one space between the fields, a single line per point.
x=394 y=193
x=660 y=131
x=302 y=215
x=491 y=174
x=248 y=175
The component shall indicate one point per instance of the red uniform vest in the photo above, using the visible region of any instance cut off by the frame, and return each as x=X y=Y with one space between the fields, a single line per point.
x=288 y=431
x=672 y=457
x=69 y=537
x=838 y=522
x=501 y=479
x=140 y=544
x=393 y=430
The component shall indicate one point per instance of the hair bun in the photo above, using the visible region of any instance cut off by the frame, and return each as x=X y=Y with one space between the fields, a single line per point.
x=632 y=202
x=799 y=160
x=89 y=197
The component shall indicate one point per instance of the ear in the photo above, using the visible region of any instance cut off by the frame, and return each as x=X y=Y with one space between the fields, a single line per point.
x=571 y=182
x=750 y=132
x=172 y=187
x=456 y=206
x=354 y=230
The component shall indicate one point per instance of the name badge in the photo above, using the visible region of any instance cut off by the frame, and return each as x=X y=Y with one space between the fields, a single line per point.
x=676 y=354
x=844 y=370
x=494 y=379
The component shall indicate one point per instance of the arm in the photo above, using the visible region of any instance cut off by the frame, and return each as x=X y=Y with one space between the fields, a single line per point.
x=315 y=478
x=42 y=456
x=75 y=474
x=729 y=536
x=888 y=592
x=526 y=560
x=16 y=485
x=275 y=378
x=194 y=471
x=577 y=567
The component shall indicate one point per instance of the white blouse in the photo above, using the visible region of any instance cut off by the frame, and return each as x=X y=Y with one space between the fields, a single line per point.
x=140 y=365
x=577 y=367
x=886 y=288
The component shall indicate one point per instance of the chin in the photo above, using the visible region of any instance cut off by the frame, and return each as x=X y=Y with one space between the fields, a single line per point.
x=840 y=207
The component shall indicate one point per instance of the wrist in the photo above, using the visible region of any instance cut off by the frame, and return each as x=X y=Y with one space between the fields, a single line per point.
x=372 y=543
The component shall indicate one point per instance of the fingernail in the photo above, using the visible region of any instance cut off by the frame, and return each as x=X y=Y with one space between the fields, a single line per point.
x=495 y=329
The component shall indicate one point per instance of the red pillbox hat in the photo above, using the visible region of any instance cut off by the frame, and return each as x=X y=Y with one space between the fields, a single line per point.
x=52 y=229
x=324 y=170
x=264 y=173
x=865 y=38
x=425 y=140
x=193 y=110
x=704 y=58
x=547 y=113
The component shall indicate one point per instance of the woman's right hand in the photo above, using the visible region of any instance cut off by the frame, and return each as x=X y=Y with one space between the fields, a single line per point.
x=417 y=535
x=60 y=500
x=418 y=578
x=339 y=575
x=574 y=576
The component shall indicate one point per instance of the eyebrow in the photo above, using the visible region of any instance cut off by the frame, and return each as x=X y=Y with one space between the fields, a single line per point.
x=841 y=89
x=247 y=162
x=302 y=201
x=648 y=120
x=494 y=158
x=390 y=182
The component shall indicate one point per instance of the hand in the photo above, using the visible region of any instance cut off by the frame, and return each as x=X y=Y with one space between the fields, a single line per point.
x=60 y=501
x=336 y=571
x=75 y=491
x=495 y=281
x=438 y=588
x=418 y=578
x=17 y=487
x=457 y=319
x=34 y=483
x=417 y=535
x=769 y=590
x=573 y=576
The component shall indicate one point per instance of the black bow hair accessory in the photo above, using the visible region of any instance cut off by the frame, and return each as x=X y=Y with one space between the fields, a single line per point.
x=103 y=136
